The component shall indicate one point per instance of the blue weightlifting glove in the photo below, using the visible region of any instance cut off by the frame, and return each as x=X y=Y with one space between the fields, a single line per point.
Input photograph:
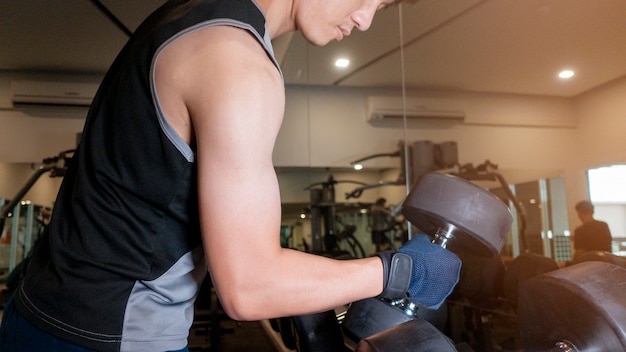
x=435 y=271
x=397 y=269
x=426 y=270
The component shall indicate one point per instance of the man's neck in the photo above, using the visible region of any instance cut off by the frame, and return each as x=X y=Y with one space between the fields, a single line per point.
x=279 y=16
x=587 y=218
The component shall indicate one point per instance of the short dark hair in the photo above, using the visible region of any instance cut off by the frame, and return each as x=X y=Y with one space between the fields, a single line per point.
x=585 y=207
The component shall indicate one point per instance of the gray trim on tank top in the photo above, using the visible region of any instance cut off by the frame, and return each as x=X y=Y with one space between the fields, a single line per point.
x=169 y=131
x=164 y=305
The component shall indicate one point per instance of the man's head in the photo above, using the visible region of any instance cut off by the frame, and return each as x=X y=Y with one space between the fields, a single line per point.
x=584 y=209
x=321 y=21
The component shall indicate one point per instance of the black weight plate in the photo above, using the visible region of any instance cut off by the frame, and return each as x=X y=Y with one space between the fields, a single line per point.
x=482 y=220
x=601 y=256
x=371 y=316
x=481 y=278
x=414 y=335
x=318 y=332
x=522 y=268
x=287 y=332
x=583 y=305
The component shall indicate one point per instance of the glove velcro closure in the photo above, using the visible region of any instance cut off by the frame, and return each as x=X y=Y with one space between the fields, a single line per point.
x=397 y=269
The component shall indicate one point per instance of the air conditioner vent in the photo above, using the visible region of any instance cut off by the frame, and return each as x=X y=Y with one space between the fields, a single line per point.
x=52 y=94
x=420 y=112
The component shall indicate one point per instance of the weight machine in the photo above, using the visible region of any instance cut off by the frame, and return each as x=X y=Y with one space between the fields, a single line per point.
x=422 y=157
x=325 y=239
x=56 y=167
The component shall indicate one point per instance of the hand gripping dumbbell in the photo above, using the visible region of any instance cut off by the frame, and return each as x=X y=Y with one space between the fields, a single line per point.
x=456 y=215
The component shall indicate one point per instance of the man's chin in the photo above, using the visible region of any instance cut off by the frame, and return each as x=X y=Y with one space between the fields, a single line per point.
x=316 y=41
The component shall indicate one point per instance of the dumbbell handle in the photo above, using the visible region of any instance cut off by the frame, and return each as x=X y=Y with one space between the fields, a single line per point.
x=407 y=306
x=444 y=235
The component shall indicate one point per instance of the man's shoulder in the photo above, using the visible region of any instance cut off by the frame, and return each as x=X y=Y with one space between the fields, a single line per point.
x=595 y=226
x=599 y=223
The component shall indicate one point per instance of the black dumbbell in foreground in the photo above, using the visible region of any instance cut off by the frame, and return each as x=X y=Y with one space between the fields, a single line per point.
x=459 y=216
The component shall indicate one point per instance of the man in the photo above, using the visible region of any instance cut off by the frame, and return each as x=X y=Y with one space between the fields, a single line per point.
x=174 y=176
x=592 y=235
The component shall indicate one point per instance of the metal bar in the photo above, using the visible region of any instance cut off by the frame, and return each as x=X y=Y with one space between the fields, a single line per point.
x=28 y=232
x=112 y=17
x=546 y=232
x=15 y=234
x=18 y=197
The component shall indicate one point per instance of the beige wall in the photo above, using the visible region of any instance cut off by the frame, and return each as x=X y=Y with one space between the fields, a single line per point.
x=528 y=137
x=599 y=141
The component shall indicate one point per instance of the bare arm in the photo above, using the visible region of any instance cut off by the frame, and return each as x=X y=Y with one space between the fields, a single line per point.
x=235 y=100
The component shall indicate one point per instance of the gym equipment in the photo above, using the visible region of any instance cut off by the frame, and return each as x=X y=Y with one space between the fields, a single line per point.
x=578 y=308
x=423 y=157
x=522 y=268
x=487 y=171
x=459 y=216
x=56 y=166
x=371 y=316
x=311 y=332
x=415 y=334
x=601 y=256
x=287 y=333
x=323 y=209
x=427 y=157
x=482 y=279
x=207 y=319
x=318 y=332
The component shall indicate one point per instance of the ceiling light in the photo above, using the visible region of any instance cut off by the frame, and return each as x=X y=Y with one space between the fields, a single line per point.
x=358 y=167
x=342 y=63
x=565 y=74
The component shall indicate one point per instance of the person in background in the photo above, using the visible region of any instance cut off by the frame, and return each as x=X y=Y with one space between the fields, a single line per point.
x=592 y=234
x=173 y=180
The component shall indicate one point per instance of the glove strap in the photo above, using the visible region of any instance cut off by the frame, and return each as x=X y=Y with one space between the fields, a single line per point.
x=397 y=268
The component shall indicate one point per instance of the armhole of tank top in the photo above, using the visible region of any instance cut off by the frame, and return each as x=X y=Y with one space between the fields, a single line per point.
x=184 y=148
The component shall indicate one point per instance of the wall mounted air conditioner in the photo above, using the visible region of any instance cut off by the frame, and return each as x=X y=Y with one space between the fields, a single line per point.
x=49 y=98
x=389 y=111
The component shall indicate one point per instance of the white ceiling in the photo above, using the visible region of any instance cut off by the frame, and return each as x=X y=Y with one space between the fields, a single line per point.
x=509 y=46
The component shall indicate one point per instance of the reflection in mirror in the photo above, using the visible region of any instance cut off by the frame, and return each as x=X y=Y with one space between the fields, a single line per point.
x=321 y=201
x=336 y=200
x=22 y=219
x=607 y=190
x=328 y=121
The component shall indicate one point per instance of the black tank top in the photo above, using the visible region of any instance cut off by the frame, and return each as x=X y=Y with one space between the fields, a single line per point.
x=121 y=263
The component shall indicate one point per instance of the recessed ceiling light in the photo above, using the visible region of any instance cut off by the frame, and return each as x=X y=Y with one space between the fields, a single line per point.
x=565 y=74
x=342 y=63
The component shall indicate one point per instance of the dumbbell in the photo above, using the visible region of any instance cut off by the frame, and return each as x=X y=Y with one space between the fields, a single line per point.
x=578 y=308
x=459 y=216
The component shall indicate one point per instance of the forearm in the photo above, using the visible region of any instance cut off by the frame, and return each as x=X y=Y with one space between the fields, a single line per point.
x=293 y=283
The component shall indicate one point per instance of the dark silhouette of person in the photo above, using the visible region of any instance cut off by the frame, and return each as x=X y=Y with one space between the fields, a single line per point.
x=592 y=234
